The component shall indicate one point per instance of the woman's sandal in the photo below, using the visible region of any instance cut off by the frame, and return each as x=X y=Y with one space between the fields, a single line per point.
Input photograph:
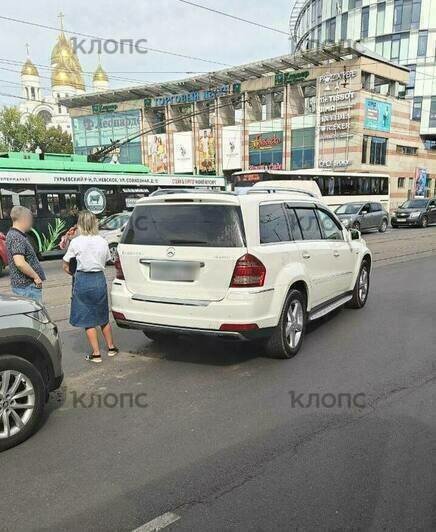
x=93 y=358
x=112 y=352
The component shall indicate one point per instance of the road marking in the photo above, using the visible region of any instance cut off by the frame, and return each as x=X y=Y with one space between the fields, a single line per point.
x=159 y=523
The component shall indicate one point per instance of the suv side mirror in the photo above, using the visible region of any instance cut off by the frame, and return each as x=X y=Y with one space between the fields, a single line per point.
x=355 y=234
x=364 y=212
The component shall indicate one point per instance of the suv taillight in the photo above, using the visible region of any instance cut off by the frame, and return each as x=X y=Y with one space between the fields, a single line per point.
x=248 y=272
x=119 y=274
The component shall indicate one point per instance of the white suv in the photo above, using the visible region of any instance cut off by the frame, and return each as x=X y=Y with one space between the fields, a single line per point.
x=258 y=266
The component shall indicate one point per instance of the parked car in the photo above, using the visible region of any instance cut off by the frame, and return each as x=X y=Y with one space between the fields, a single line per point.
x=3 y=253
x=363 y=216
x=30 y=367
x=254 y=267
x=418 y=212
x=111 y=229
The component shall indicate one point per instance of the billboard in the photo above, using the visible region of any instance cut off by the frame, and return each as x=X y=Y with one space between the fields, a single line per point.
x=157 y=152
x=92 y=132
x=266 y=150
x=378 y=115
x=206 y=146
x=421 y=176
x=231 y=146
x=183 y=160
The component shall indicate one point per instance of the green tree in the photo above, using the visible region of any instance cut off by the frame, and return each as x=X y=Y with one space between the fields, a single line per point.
x=17 y=134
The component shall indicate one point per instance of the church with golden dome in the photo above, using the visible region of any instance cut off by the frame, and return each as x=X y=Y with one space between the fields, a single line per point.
x=67 y=79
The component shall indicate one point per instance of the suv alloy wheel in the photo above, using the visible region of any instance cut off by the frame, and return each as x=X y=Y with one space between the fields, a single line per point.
x=383 y=226
x=361 y=288
x=287 y=337
x=22 y=399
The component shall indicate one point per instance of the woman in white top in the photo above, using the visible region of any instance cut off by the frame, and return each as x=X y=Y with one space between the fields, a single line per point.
x=89 y=304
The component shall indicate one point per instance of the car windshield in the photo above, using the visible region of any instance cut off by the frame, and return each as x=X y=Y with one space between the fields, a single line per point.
x=349 y=208
x=414 y=204
x=116 y=221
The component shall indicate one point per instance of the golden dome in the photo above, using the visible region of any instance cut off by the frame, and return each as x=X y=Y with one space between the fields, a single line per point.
x=29 y=69
x=63 y=76
x=100 y=75
x=65 y=64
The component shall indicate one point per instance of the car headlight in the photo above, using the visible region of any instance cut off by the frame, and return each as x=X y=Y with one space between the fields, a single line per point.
x=39 y=315
x=415 y=214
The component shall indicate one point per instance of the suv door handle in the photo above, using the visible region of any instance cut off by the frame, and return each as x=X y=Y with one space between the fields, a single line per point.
x=306 y=255
x=336 y=254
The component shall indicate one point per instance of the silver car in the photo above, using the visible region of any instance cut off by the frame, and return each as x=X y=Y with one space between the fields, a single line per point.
x=363 y=216
x=30 y=367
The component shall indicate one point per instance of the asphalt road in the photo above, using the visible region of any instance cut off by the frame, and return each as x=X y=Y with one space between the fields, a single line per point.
x=221 y=438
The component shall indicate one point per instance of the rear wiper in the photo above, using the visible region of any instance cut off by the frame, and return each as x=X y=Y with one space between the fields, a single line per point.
x=188 y=242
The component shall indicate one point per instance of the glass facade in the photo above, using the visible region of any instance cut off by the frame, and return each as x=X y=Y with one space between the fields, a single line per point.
x=302 y=148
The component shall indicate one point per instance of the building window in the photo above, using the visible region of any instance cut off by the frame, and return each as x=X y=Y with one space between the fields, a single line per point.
x=331 y=30
x=406 y=14
x=422 y=43
x=412 y=76
x=364 y=25
x=401 y=182
x=432 y=121
x=383 y=46
x=430 y=144
x=417 y=108
x=407 y=150
x=416 y=14
x=354 y=4
x=381 y=10
x=400 y=47
x=374 y=150
x=302 y=148
x=32 y=93
x=344 y=26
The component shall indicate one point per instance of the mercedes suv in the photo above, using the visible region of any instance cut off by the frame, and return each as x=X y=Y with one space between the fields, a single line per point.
x=257 y=266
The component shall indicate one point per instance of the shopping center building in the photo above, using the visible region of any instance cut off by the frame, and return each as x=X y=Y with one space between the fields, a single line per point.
x=338 y=107
x=402 y=31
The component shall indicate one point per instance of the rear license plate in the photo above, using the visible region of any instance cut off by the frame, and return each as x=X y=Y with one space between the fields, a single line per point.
x=173 y=271
x=401 y=220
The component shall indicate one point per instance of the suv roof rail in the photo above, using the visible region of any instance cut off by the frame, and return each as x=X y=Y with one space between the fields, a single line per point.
x=271 y=190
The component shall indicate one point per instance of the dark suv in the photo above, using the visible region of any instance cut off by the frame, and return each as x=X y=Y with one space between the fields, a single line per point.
x=30 y=367
x=416 y=212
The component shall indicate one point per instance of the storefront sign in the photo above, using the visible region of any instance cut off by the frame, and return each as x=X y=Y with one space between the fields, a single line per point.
x=335 y=115
x=95 y=200
x=330 y=163
x=183 y=159
x=194 y=96
x=157 y=153
x=266 y=150
x=231 y=145
x=102 y=108
x=40 y=178
x=337 y=76
x=291 y=78
x=378 y=115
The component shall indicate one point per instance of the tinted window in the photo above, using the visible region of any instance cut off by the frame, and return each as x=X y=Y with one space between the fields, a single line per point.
x=293 y=223
x=309 y=224
x=329 y=227
x=376 y=207
x=273 y=225
x=185 y=225
x=349 y=208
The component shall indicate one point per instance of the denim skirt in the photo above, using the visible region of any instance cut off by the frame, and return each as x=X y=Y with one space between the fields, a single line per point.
x=89 y=304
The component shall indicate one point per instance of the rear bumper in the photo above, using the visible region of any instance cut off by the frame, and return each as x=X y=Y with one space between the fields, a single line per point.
x=249 y=306
x=171 y=330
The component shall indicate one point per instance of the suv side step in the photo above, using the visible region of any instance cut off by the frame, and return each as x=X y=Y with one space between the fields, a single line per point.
x=329 y=306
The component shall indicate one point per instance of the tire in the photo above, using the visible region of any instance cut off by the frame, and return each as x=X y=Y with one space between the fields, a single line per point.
x=279 y=345
x=31 y=418
x=424 y=222
x=356 y=225
x=360 y=297
x=383 y=226
x=157 y=336
x=113 y=252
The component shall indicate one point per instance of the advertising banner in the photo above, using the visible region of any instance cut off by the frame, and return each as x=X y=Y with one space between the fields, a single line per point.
x=232 y=147
x=378 y=115
x=207 y=152
x=93 y=132
x=266 y=150
x=421 y=176
x=157 y=153
x=183 y=159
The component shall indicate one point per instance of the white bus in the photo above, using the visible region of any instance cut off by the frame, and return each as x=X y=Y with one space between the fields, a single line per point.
x=336 y=187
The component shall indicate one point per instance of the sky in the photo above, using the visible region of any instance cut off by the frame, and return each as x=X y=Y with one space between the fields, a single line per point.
x=166 y=24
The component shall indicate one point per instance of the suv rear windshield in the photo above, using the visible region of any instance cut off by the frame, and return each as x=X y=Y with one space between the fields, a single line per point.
x=191 y=225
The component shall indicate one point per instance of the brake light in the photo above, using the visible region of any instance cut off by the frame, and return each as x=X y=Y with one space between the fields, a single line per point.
x=118 y=315
x=119 y=274
x=238 y=327
x=249 y=272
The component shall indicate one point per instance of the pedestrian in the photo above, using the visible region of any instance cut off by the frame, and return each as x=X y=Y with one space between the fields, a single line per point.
x=25 y=271
x=89 y=305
